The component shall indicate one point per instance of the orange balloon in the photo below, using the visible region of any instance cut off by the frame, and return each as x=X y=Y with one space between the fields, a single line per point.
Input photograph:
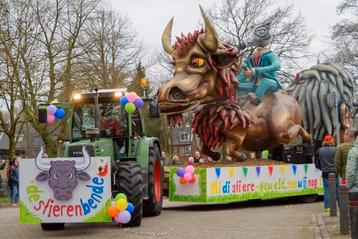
x=113 y=211
x=182 y=181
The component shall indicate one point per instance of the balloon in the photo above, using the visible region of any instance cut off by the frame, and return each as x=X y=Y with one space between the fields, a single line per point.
x=131 y=96
x=182 y=181
x=51 y=109
x=187 y=176
x=190 y=169
x=123 y=217
x=113 y=211
x=121 y=204
x=138 y=102
x=55 y=101
x=50 y=118
x=121 y=196
x=123 y=101
x=130 y=107
x=180 y=172
x=192 y=180
x=60 y=113
x=130 y=208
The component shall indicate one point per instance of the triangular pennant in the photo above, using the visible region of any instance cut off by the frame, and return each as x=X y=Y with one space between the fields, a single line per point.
x=294 y=168
x=258 y=169
x=282 y=169
x=218 y=171
x=305 y=167
x=270 y=169
x=231 y=171
x=245 y=169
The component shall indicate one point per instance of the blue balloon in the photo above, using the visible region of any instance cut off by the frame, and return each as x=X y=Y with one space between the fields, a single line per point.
x=130 y=208
x=60 y=113
x=138 y=102
x=123 y=101
x=180 y=172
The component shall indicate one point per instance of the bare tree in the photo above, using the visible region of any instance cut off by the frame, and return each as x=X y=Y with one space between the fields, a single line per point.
x=235 y=20
x=111 y=50
x=345 y=36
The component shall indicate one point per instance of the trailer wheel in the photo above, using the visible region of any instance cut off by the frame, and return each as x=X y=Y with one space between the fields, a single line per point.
x=52 y=226
x=129 y=178
x=309 y=198
x=153 y=205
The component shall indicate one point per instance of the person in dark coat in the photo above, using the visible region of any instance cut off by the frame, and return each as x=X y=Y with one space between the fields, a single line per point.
x=14 y=182
x=325 y=156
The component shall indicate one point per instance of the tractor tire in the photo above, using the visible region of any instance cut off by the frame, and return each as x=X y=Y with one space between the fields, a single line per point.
x=153 y=205
x=130 y=182
x=52 y=226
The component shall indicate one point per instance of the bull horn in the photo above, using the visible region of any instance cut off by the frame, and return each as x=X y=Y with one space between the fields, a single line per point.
x=166 y=37
x=85 y=162
x=42 y=165
x=210 y=39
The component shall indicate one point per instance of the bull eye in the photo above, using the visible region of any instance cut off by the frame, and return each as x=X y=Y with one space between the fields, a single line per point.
x=70 y=175
x=55 y=176
x=197 y=61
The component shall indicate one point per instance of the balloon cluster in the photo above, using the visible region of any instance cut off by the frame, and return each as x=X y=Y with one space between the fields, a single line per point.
x=186 y=174
x=131 y=101
x=54 y=112
x=121 y=209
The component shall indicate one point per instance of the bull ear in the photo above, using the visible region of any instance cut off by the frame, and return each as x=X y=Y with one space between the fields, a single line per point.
x=224 y=60
x=83 y=175
x=42 y=176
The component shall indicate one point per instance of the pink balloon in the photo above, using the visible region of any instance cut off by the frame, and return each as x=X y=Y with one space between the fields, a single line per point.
x=190 y=169
x=188 y=176
x=132 y=96
x=50 y=118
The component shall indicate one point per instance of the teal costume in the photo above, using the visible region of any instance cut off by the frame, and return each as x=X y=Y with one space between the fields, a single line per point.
x=264 y=79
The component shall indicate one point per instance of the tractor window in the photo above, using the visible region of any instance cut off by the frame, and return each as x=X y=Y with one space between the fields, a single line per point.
x=136 y=123
x=113 y=120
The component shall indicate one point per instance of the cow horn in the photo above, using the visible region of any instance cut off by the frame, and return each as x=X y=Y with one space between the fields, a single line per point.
x=166 y=37
x=85 y=162
x=210 y=39
x=42 y=165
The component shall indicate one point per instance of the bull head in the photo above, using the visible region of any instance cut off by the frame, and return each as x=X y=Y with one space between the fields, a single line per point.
x=62 y=175
x=199 y=60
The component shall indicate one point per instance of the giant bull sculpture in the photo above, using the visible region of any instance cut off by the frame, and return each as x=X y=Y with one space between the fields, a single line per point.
x=205 y=74
x=63 y=175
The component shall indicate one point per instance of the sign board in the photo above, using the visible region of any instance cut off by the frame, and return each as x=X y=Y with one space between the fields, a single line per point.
x=65 y=190
x=229 y=184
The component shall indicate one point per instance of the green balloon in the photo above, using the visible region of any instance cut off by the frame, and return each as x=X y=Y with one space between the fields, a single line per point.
x=130 y=107
x=120 y=196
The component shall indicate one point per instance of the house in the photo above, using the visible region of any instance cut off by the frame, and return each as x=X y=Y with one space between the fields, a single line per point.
x=184 y=142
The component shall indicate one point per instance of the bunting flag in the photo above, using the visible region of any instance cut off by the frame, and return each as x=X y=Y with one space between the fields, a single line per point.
x=305 y=167
x=282 y=169
x=218 y=172
x=258 y=169
x=270 y=169
x=245 y=169
x=294 y=168
x=231 y=171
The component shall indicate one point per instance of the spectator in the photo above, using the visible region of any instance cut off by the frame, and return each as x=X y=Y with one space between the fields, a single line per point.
x=175 y=160
x=165 y=160
x=340 y=158
x=14 y=182
x=352 y=165
x=197 y=157
x=325 y=156
x=191 y=161
x=2 y=166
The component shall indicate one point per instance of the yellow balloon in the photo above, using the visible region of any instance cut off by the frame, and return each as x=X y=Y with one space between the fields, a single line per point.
x=121 y=204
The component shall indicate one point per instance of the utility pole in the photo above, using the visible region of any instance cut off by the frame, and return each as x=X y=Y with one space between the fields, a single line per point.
x=337 y=118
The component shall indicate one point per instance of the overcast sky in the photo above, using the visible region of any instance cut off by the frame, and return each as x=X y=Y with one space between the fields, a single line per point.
x=149 y=17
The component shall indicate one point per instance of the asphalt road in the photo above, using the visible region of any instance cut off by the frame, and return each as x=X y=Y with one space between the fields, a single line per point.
x=283 y=219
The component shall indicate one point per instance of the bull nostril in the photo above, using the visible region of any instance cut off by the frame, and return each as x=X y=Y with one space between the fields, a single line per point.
x=176 y=94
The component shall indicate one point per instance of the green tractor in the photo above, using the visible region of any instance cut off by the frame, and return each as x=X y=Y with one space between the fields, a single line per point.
x=99 y=122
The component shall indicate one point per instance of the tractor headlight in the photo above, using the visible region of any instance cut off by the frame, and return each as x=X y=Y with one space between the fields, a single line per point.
x=77 y=96
x=118 y=94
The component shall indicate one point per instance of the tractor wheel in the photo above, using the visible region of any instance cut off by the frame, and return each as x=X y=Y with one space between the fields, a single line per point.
x=130 y=183
x=52 y=226
x=153 y=205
